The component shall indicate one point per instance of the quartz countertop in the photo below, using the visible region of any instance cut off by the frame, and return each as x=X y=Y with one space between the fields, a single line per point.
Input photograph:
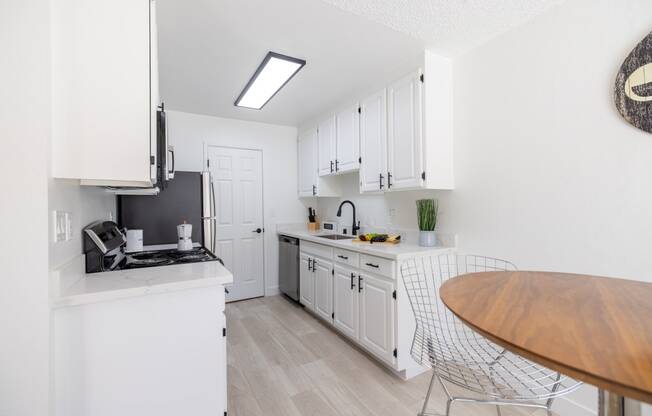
x=71 y=286
x=402 y=250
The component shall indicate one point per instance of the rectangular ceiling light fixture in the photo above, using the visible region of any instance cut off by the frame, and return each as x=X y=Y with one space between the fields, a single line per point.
x=273 y=73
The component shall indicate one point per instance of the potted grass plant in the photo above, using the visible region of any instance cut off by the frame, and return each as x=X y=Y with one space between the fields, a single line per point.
x=427 y=217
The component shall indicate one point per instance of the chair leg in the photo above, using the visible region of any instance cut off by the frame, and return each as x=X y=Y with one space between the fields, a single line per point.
x=425 y=402
x=448 y=407
x=498 y=410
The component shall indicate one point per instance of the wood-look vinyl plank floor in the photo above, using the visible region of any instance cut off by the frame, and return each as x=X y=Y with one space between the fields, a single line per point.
x=285 y=362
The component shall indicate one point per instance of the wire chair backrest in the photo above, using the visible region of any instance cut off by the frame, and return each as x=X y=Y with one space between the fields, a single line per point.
x=439 y=335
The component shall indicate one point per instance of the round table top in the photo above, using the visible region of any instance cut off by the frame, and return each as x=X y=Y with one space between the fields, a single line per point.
x=594 y=329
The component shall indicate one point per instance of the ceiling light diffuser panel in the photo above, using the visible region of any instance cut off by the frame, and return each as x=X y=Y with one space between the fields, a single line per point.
x=273 y=73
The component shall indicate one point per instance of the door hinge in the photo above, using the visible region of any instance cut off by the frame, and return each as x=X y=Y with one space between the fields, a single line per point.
x=360 y=159
x=333 y=315
x=359 y=110
x=208 y=163
x=421 y=78
x=395 y=352
x=223 y=332
x=333 y=272
x=152 y=160
x=394 y=294
x=423 y=175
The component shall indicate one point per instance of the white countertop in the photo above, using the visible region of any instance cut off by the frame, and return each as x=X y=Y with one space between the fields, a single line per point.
x=402 y=250
x=71 y=286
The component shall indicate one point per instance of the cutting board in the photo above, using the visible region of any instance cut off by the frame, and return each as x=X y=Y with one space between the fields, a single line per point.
x=391 y=243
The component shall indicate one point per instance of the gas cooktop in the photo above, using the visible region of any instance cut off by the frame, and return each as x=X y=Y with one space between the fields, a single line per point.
x=166 y=257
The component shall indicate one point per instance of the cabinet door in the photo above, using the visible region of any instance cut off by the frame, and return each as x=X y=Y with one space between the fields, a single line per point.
x=345 y=301
x=373 y=143
x=307 y=163
x=377 y=316
x=223 y=386
x=327 y=150
x=323 y=288
x=347 y=140
x=101 y=91
x=405 y=133
x=306 y=282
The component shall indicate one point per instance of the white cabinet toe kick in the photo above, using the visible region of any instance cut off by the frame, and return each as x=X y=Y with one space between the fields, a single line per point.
x=361 y=297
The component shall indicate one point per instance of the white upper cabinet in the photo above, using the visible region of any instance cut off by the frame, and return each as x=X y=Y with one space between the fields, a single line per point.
x=105 y=91
x=327 y=146
x=373 y=143
x=405 y=133
x=309 y=181
x=307 y=152
x=347 y=138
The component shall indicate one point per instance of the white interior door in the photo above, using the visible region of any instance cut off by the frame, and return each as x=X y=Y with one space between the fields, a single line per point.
x=347 y=139
x=404 y=133
x=373 y=143
x=238 y=183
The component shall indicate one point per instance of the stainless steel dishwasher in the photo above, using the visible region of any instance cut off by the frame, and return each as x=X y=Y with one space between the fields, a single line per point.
x=288 y=266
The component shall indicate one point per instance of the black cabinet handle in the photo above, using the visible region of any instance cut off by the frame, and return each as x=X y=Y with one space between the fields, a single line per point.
x=309 y=264
x=352 y=281
x=336 y=165
x=331 y=166
x=375 y=266
x=380 y=180
x=389 y=180
x=359 y=283
x=314 y=265
x=342 y=257
x=314 y=190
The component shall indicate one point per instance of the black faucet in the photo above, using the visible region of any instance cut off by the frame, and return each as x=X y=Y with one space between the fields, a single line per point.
x=356 y=225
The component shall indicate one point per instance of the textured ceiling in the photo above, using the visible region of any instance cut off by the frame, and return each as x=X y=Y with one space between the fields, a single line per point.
x=208 y=50
x=448 y=26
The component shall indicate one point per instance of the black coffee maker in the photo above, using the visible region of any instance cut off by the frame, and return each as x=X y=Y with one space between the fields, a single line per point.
x=103 y=241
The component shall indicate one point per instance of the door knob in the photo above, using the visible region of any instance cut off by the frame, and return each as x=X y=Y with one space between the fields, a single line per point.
x=258 y=230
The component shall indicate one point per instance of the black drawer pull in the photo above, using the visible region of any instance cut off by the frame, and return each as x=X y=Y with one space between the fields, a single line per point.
x=342 y=257
x=352 y=281
x=359 y=283
x=375 y=266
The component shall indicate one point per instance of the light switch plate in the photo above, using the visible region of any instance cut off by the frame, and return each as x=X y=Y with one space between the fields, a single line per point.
x=62 y=223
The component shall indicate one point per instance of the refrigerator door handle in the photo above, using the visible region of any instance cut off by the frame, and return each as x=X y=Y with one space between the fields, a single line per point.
x=213 y=217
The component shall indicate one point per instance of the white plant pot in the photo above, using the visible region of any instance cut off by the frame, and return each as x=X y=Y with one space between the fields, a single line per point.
x=427 y=238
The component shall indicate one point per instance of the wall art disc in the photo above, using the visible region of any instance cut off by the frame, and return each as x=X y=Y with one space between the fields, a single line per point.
x=633 y=92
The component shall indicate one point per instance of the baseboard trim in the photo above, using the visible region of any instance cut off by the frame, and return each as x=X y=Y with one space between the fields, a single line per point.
x=272 y=291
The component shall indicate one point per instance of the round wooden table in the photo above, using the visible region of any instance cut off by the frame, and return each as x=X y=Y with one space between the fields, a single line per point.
x=594 y=329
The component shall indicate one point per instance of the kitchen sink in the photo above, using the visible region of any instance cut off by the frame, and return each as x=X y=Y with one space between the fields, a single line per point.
x=336 y=237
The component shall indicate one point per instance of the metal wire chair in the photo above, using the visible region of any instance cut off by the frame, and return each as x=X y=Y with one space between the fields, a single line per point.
x=462 y=357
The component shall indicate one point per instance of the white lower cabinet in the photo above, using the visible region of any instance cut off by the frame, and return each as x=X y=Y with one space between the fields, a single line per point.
x=306 y=282
x=345 y=300
x=377 y=315
x=136 y=356
x=323 y=271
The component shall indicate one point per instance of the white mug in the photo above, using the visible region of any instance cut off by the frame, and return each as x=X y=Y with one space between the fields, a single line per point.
x=134 y=241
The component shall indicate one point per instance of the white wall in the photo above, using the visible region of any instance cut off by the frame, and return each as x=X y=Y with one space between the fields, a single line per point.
x=24 y=135
x=189 y=132
x=547 y=172
x=86 y=204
